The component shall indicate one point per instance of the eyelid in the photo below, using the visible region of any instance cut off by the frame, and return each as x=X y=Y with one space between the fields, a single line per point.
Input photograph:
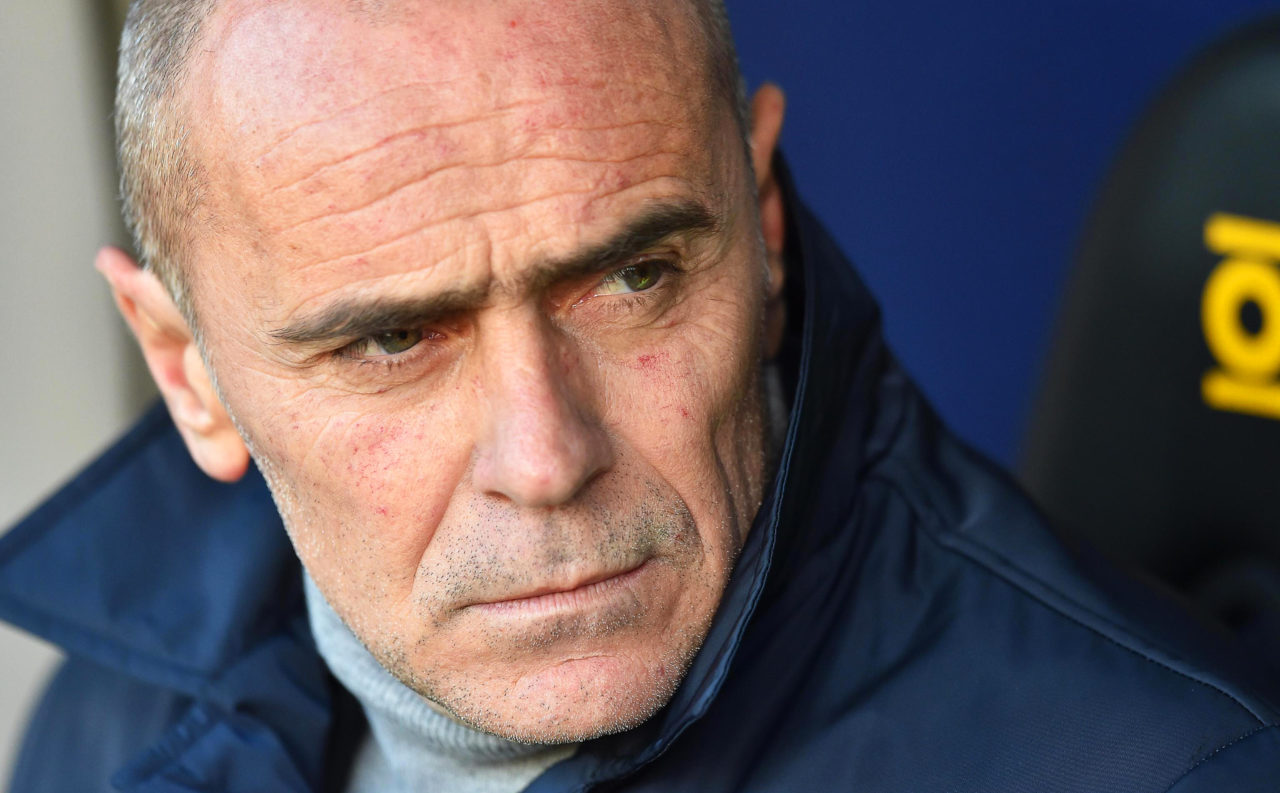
x=418 y=349
x=666 y=264
x=670 y=268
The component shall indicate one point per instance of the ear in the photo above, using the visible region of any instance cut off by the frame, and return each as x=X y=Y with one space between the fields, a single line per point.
x=176 y=365
x=767 y=109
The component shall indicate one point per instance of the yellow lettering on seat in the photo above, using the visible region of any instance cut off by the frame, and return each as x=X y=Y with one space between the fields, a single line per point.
x=1249 y=362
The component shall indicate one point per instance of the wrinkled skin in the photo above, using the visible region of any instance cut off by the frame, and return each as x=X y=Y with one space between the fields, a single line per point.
x=525 y=486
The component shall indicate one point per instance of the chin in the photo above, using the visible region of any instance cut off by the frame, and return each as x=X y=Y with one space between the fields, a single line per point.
x=568 y=701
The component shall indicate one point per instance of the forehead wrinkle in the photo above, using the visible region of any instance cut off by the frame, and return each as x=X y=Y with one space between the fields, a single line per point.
x=465 y=216
x=383 y=172
x=422 y=130
x=421 y=180
x=425 y=151
x=285 y=136
x=408 y=108
x=376 y=127
x=463 y=258
x=310 y=136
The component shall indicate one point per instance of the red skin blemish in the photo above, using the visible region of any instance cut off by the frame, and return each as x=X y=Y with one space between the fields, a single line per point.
x=513 y=23
x=381 y=511
x=650 y=362
x=684 y=411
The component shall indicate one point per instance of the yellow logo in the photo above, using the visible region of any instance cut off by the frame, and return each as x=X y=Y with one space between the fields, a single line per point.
x=1247 y=379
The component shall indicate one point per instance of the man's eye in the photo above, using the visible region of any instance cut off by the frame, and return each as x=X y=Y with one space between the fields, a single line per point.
x=391 y=342
x=396 y=341
x=636 y=277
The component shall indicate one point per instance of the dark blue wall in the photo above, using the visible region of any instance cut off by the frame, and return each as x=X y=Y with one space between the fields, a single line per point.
x=955 y=148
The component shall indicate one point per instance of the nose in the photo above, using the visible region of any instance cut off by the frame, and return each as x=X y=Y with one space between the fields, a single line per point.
x=541 y=442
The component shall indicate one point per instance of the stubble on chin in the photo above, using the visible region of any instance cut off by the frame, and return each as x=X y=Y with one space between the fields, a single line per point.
x=661 y=530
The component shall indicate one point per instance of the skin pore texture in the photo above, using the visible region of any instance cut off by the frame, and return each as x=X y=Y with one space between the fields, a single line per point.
x=484 y=289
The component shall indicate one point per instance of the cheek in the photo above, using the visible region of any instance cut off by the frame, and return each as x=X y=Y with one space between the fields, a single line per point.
x=687 y=403
x=657 y=388
x=366 y=486
x=691 y=380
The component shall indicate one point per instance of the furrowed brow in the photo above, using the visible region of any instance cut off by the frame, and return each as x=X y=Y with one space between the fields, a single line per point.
x=353 y=319
x=654 y=225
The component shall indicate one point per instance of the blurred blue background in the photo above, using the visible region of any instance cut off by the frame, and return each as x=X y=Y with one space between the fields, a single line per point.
x=955 y=149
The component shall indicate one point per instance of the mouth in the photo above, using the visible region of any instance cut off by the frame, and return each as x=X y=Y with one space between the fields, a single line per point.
x=588 y=592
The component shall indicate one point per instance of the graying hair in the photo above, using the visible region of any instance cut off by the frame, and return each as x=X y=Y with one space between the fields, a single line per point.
x=162 y=182
x=724 y=66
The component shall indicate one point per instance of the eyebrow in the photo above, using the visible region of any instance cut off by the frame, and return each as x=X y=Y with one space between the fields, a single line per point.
x=357 y=318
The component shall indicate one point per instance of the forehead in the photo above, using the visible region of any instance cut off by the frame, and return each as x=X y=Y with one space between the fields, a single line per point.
x=436 y=131
x=340 y=50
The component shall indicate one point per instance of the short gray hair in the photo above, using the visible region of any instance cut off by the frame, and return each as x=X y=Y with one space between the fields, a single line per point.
x=162 y=182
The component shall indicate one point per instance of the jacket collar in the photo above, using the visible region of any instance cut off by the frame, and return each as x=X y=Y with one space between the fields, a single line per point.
x=145 y=565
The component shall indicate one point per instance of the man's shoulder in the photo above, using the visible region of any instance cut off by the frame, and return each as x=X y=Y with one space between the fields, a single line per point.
x=1055 y=650
x=91 y=722
x=949 y=640
x=971 y=513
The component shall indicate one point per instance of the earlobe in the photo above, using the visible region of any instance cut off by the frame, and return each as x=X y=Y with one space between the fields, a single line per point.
x=768 y=107
x=170 y=351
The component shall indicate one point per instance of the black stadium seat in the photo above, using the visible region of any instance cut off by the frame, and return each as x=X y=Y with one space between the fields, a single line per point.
x=1156 y=434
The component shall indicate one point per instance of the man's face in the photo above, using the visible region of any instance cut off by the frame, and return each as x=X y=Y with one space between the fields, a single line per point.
x=484 y=294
